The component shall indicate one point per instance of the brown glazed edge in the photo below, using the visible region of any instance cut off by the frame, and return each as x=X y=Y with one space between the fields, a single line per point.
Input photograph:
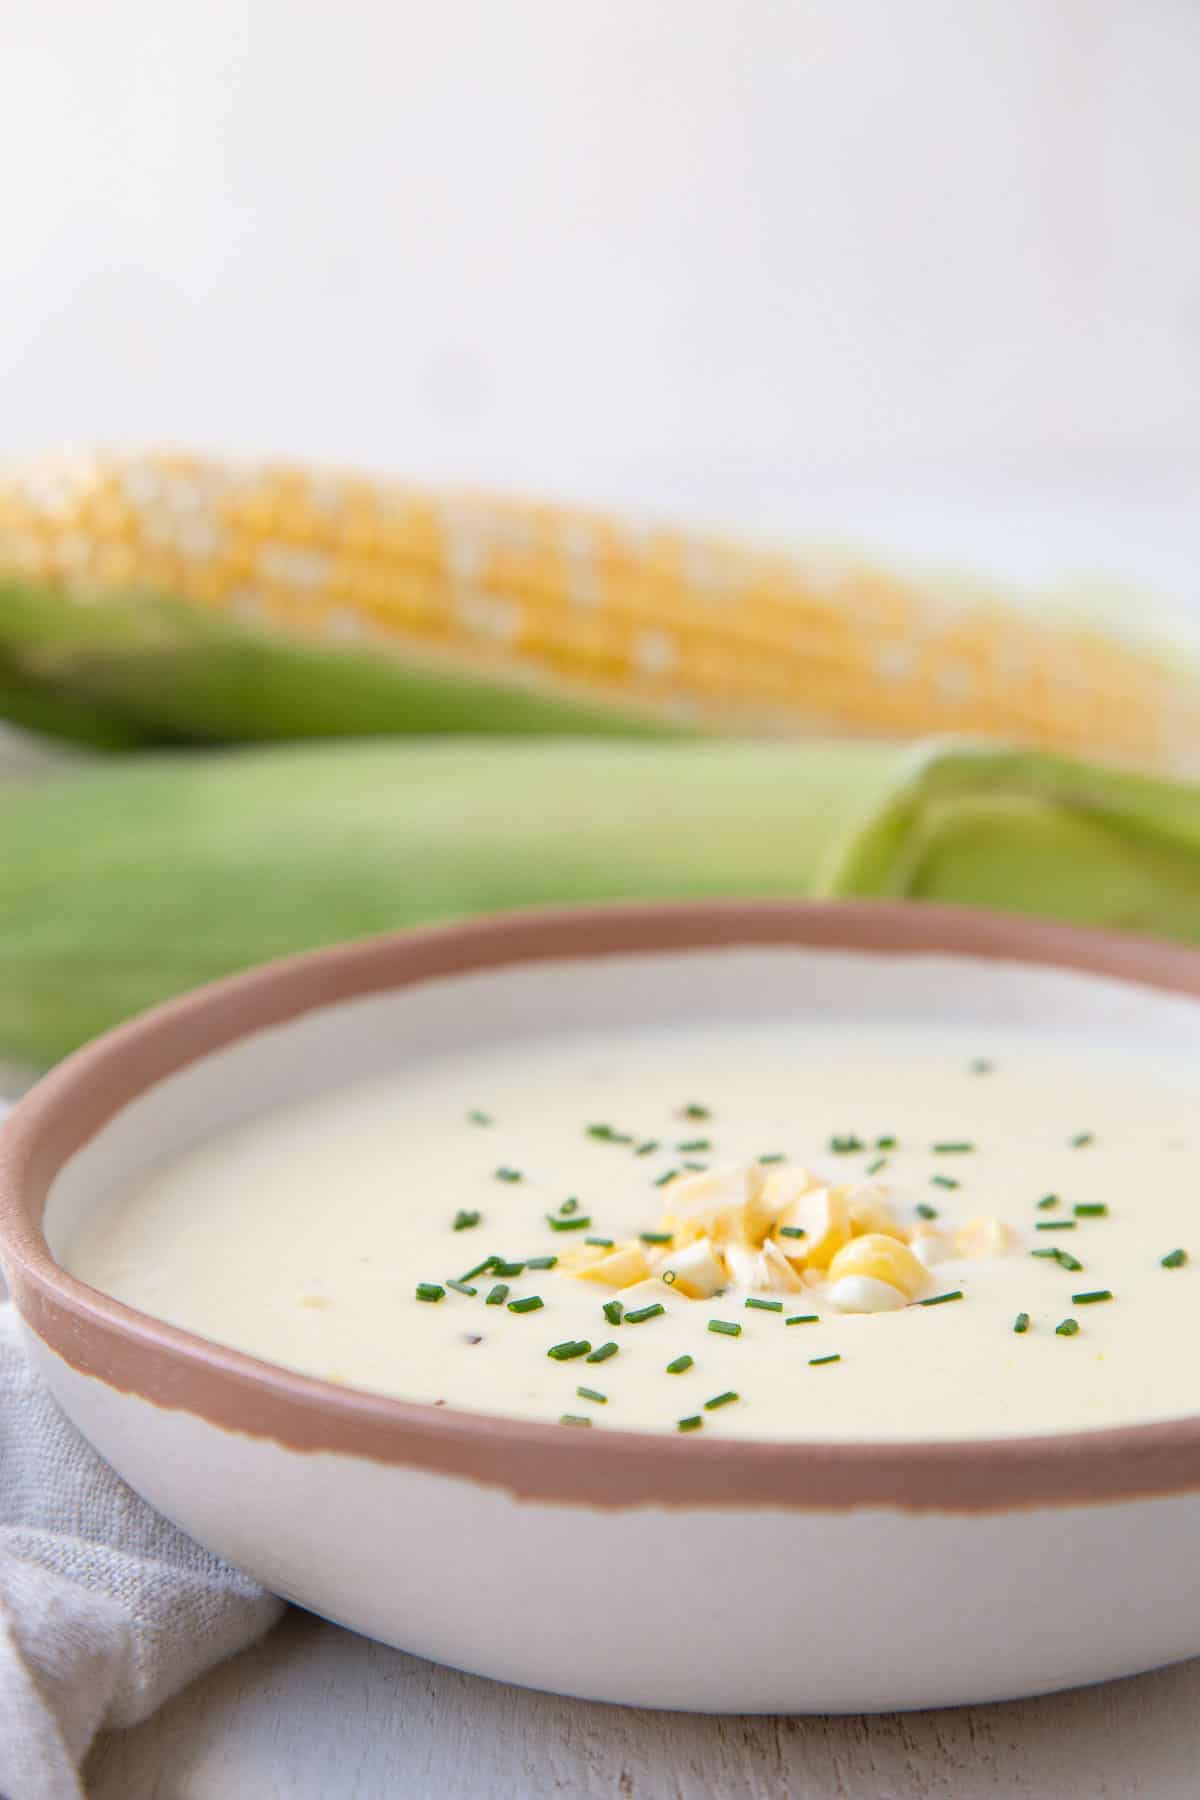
x=173 y=1369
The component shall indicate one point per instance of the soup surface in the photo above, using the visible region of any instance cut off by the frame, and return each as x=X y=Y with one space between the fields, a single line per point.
x=1039 y=1193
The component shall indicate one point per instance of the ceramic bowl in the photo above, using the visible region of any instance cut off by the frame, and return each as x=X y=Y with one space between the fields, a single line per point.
x=836 y=1577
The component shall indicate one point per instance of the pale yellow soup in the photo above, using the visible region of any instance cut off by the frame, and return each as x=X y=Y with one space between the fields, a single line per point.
x=302 y=1237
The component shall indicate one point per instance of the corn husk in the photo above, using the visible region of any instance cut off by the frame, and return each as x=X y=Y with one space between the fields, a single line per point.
x=130 y=880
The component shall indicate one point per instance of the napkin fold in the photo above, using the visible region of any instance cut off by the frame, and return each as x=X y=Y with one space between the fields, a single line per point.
x=106 y=1609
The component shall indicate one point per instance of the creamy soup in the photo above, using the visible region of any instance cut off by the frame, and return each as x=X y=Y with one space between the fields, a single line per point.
x=867 y=1229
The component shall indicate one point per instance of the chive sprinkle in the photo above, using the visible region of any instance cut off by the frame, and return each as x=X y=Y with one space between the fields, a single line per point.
x=1081 y=1139
x=604 y=1134
x=568 y=1349
x=1062 y=1258
x=1047 y=1203
x=507 y=1268
x=690 y=1424
x=803 y=1319
x=1091 y=1299
x=645 y=1312
x=569 y=1206
x=603 y=1352
x=541 y=1262
x=880 y=1162
x=679 y=1365
x=792 y=1231
x=648 y=1148
x=1054 y=1225
x=482 y=1268
x=601 y=1243
x=695 y=1112
x=952 y=1149
x=478 y=1118
x=1097 y=1211
x=944 y=1181
x=724 y=1399
x=462 y=1287
x=430 y=1290
x=925 y=1211
x=1021 y=1323
x=771 y=1156
x=765 y=1305
x=694 y=1165
x=1174 y=1259
x=591 y=1394
x=725 y=1327
x=613 y=1311
x=1068 y=1328
x=531 y=1303
x=846 y=1144
x=886 y=1143
x=574 y=1419
x=695 y=1144
x=498 y=1295
x=577 y=1222
x=464 y=1221
x=981 y=1066
x=503 y=1174
x=662 y=1180
x=941 y=1299
x=656 y=1237
x=814 y=1362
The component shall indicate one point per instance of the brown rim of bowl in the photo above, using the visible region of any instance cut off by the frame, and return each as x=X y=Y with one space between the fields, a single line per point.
x=177 y=1370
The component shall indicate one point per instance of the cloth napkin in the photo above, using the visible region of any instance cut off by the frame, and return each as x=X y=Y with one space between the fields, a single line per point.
x=106 y=1610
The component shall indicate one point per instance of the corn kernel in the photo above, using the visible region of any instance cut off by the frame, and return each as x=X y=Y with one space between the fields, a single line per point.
x=824 y=1217
x=881 y=1259
x=983 y=1237
x=626 y=1264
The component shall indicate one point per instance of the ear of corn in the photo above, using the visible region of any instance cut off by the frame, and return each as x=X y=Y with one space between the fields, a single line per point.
x=160 y=598
x=131 y=880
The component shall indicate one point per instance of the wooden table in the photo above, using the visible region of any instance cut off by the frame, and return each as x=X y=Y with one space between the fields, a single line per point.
x=315 y=1713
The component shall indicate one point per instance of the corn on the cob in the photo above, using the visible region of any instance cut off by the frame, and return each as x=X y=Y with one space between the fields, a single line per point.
x=134 y=879
x=199 y=600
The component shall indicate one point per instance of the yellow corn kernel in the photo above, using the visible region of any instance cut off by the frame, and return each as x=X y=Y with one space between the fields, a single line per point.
x=774 y=1194
x=881 y=1258
x=824 y=1217
x=778 y=1275
x=697 y=1270
x=984 y=1237
x=713 y=1204
x=870 y=1212
x=623 y=1265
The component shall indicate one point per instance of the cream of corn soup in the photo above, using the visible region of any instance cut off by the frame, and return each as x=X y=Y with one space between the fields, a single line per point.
x=769 y=1229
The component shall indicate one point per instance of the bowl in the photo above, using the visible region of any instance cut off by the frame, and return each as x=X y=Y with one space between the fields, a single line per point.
x=734 y=1576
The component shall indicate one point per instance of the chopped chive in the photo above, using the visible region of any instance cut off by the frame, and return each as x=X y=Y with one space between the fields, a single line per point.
x=1062 y=1258
x=880 y=1162
x=465 y=1221
x=479 y=1118
x=694 y=1165
x=725 y=1327
x=500 y=1267
x=503 y=1174
x=1089 y=1211
x=645 y=1312
x=886 y=1143
x=1174 y=1259
x=1021 y=1323
x=568 y=1349
x=531 y=1303
x=541 y=1262
x=724 y=1399
x=613 y=1311
x=1082 y=1138
x=1068 y=1328
x=430 y=1290
x=803 y=1319
x=846 y=1144
x=603 y=1243
x=480 y=1268
x=944 y=1181
x=814 y=1362
x=574 y=1419
x=792 y=1231
x=692 y=1424
x=1054 y=1225
x=569 y=1206
x=591 y=1394
x=656 y=1237
x=1047 y=1203
x=462 y=1287
x=578 y=1222
x=662 y=1180
x=953 y=1148
x=981 y=1066
x=696 y=1144
x=668 y=1276
x=941 y=1299
x=925 y=1211
x=648 y=1148
x=679 y=1365
x=1091 y=1298
x=603 y=1352
x=765 y=1305
x=498 y=1295
x=772 y=1156
x=604 y=1134
x=695 y=1112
